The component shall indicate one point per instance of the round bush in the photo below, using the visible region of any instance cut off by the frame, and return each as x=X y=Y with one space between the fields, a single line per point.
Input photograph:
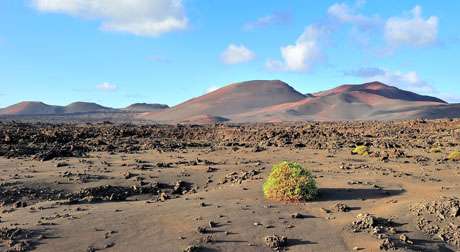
x=290 y=182
x=360 y=150
x=454 y=155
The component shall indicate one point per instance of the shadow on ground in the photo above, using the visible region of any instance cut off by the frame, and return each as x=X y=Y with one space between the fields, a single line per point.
x=426 y=246
x=293 y=242
x=332 y=194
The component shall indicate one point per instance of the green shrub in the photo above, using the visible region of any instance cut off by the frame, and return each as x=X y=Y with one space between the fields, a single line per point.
x=435 y=150
x=360 y=150
x=289 y=181
x=454 y=156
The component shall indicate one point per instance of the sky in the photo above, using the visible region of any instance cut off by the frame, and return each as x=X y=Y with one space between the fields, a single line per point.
x=118 y=52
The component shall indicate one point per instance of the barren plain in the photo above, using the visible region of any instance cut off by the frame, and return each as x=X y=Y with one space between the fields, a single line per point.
x=121 y=187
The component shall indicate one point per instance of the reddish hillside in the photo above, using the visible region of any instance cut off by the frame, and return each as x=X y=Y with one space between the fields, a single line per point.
x=233 y=99
x=40 y=108
x=263 y=101
x=348 y=102
x=30 y=108
x=382 y=90
x=85 y=107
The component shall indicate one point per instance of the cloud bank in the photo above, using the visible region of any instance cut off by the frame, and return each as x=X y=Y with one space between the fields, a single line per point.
x=106 y=86
x=405 y=80
x=236 y=54
x=139 y=17
x=411 y=31
x=303 y=54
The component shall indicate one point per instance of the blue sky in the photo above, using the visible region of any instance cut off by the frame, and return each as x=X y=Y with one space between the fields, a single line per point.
x=166 y=51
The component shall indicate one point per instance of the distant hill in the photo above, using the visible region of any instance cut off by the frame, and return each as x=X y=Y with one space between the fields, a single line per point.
x=233 y=99
x=40 y=108
x=31 y=108
x=258 y=101
x=379 y=89
x=86 y=107
x=368 y=101
x=275 y=101
x=145 y=107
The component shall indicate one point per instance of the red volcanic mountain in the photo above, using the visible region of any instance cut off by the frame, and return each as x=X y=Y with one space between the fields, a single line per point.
x=40 y=108
x=266 y=101
x=31 y=108
x=369 y=101
x=85 y=107
x=379 y=89
x=232 y=100
x=273 y=101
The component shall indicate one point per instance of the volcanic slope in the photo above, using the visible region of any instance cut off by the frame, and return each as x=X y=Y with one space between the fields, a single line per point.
x=232 y=100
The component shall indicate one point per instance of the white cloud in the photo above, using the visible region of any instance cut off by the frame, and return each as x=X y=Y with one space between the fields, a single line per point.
x=211 y=89
x=235 y=54
x=363 y=27
x=278 y=18
x=302 y=55
x=106 y=87
x=405 y=80
x=412 y=30
x=346 y=14
x=408 y=80
x=275 y=65
x=139 y=17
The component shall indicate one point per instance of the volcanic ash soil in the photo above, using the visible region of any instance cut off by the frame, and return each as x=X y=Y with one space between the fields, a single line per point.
x=120 y=187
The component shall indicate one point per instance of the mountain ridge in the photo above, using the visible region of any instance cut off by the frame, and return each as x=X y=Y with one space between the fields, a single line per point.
x=267 y=101
x=145 y=107
x=40 y=108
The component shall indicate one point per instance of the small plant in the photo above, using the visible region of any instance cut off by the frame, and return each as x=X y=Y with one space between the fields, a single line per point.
x=454 y=156
x=289 y=181
x=361 y=150
x=435 y=150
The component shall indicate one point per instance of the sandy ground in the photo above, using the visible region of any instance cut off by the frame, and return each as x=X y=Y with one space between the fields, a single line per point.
x=208 y=197
x=241 y=216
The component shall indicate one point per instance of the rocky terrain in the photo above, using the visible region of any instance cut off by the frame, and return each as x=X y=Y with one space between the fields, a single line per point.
x=123 y=187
